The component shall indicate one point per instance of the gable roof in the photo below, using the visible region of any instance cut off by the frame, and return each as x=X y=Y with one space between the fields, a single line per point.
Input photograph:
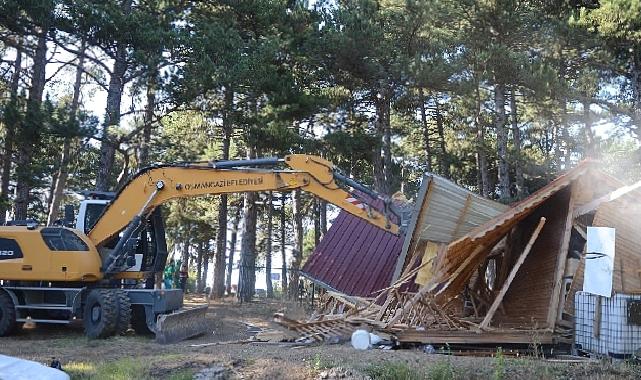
x=465 y=253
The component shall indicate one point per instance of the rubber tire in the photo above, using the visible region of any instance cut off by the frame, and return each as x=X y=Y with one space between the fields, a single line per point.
x=105 y=326
x=139 y=320
x=124 y=312
x=7 y=314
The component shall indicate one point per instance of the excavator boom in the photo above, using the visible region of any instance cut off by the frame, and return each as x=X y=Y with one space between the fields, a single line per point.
x=157 y=185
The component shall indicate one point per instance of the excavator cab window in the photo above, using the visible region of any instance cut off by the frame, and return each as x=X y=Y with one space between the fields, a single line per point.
x=92 y=214
x=60 y=239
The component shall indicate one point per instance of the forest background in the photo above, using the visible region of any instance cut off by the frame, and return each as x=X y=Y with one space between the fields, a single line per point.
x=499 y=96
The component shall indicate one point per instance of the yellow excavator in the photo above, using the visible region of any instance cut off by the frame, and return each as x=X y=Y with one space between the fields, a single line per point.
x=99 y=265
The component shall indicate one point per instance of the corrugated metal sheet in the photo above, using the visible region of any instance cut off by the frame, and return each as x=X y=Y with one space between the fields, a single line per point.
x=443 y=213
x=355 y=257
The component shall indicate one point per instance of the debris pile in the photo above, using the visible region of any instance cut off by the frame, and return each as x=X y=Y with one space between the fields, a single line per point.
x=509 y=277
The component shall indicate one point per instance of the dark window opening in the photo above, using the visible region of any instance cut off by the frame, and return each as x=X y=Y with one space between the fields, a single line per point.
x=60 y=239
x=92 y=214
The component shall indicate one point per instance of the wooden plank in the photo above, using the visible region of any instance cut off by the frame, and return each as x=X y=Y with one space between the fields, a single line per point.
x=510 y=278
x=555 y=310
x=421 y=292
x=469 y=337
x=461 y=218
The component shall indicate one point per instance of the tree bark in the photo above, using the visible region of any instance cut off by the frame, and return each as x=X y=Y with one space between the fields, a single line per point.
x=63 y=171
x=199 y=268
x=501 y=142
x=426 y=132
x=218 y=289
x=206 y=257
x=481 y=156
x=590 y=146
x=268 y=246
x=143 y=156
x=247 y=280
x=317 y=228
x=283 y=241
x=109 y=144
x=323 y=218
x=382 y=155
x=29 y=135
x=294 y=274
x=232 y=248
x=443 y=162
x=516 y=136
x=9 y=137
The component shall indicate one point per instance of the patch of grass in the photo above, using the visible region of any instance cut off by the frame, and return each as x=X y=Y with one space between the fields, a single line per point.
x=182 y=374
x=123 y=369
x=441 y=370
x=320 y=363
x=499 y=365
x=393 y=371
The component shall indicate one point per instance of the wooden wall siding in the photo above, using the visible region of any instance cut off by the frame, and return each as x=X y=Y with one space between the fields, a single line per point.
x=623 y=215
x=528 y=299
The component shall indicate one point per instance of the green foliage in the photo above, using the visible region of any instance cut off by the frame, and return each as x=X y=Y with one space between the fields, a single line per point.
x=393 y=371
x=499 y=365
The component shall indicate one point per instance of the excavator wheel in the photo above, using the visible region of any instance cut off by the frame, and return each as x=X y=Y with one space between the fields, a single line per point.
x=139 y=320
x=7 y=314
x=124 y=312
x=100 y=315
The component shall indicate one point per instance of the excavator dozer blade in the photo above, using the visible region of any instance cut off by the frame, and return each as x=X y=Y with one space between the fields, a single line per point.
x=180 y=325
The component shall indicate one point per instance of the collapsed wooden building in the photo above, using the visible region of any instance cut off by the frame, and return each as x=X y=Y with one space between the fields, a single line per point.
x=509 y=280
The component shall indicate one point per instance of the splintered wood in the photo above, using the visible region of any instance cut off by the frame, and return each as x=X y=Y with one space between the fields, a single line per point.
x=429 y=314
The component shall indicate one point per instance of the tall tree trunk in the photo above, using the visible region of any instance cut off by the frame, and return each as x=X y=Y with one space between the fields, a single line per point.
x=382 y=157
x=29 y=135
x=426 y=131
x=247 y=280
x=9 y=137
x=268 y=246
x=323 y=218
x=557 y=145
x=283 y=241
x=232 y=248
x=206 y=257
x=516 y=137
x=294 y=274
x=109 y=144
x=218 y=290
x=317 y=228
x=387 y=148
x=501 y=141
x=481 y=155
x=143 y=156
x=63 y=171
x=199 y=268
x=590 y=146
x=443 y=162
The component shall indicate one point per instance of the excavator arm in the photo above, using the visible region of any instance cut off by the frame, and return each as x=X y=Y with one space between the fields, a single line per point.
x=154 y=186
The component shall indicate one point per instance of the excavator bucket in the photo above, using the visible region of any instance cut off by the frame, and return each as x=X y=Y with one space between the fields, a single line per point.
x=180 y=325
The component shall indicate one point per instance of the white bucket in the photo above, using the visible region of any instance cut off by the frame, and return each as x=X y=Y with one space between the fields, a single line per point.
x=361 y=340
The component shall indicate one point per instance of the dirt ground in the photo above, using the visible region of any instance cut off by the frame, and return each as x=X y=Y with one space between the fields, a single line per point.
x=131 y=356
